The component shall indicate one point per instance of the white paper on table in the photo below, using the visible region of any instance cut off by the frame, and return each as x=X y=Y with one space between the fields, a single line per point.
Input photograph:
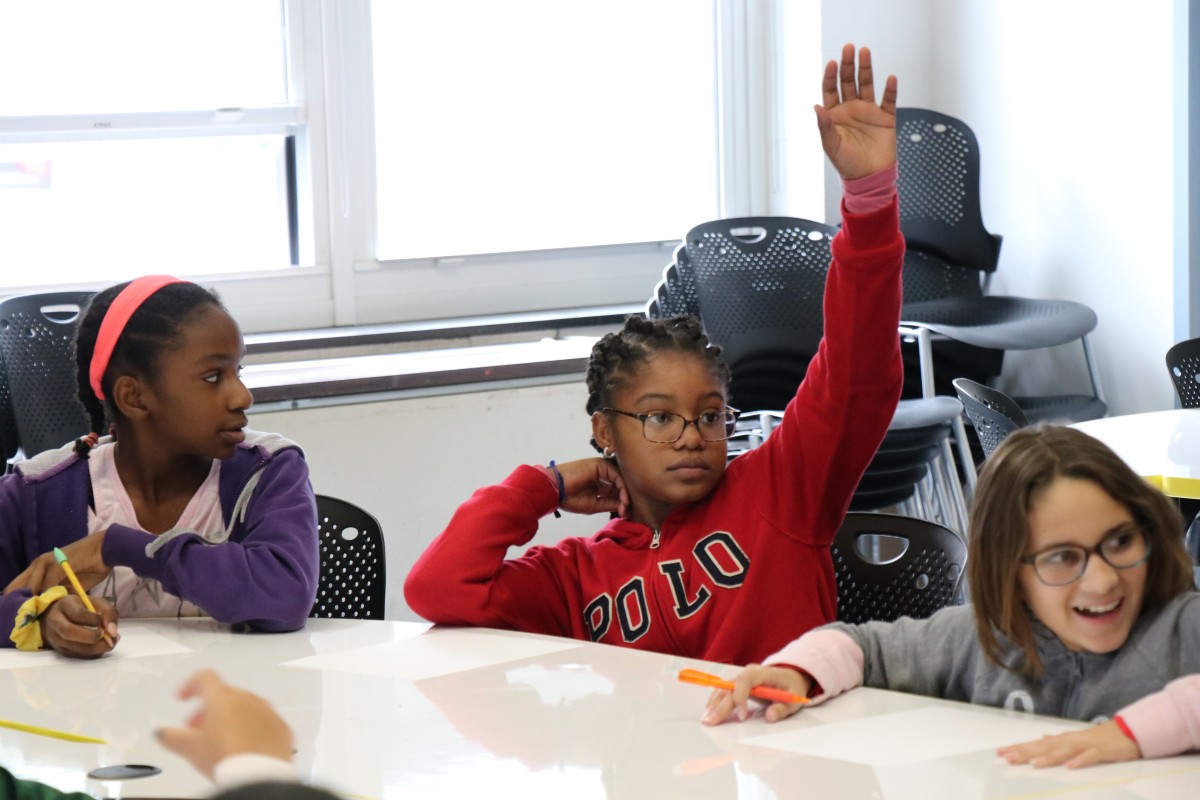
x=434 y=653
x=134 y=643
x=924 y=734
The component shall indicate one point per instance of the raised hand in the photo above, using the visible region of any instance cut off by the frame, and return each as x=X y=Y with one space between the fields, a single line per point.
x=1096 y=745
x=858 y=136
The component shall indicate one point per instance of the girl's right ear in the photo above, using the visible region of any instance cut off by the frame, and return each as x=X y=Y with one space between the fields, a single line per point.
x=129 y=396
x=601 y=432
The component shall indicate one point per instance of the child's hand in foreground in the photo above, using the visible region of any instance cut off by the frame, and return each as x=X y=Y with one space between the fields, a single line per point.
x=1096 y=745
x=722 y=704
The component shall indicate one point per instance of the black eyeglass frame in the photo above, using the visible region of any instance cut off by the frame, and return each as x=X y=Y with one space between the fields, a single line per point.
x=1032 y=558
x=731 y=417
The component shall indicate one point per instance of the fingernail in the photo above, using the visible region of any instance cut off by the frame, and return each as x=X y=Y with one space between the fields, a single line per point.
x=743 y=714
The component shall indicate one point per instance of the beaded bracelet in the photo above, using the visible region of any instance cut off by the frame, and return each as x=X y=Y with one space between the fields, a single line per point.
x=562 y=490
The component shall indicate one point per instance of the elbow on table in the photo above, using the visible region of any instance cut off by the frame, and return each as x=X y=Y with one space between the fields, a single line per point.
x=434 y=598
x=275 y=611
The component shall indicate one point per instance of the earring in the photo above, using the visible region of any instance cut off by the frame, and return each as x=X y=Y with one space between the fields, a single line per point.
x=610 y=453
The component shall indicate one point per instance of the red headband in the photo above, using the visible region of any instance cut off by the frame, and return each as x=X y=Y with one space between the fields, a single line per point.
x=117 y=317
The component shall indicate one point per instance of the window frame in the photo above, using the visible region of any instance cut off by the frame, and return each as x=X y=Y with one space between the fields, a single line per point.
x=339 y=282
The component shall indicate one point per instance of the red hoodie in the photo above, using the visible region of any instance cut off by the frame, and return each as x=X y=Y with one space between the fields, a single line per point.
x=735 y=576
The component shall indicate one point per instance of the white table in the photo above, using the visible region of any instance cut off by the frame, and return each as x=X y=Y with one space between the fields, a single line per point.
x=536 y=717
x=1161 y=446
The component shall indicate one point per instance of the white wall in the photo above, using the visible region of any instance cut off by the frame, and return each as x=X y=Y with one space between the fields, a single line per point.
x=412 y=462
x=1072 y=104
x=901 y=40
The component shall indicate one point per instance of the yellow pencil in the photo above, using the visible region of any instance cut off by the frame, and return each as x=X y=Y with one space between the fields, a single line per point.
x=53 y=734
x=61 y=557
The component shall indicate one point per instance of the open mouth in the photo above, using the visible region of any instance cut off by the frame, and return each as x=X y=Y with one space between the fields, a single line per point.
x=1099 y=612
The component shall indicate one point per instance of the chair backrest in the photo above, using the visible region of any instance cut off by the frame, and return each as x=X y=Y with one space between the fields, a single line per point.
x=890 y=566
x=928 y=277
x=760 y=284
x=8 y=420
x=353 y=578
x=938 y=160
x=1183 y=364
x=993 y=413
x=37 y=335
x=675 y=294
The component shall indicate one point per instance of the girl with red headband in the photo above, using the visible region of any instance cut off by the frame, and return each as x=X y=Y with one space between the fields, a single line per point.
x=182 y=511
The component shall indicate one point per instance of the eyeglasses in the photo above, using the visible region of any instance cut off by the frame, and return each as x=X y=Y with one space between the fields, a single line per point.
x=663 y=427
x=1122 y=549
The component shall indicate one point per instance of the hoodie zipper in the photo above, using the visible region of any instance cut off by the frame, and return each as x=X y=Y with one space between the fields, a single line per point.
x=654 y=541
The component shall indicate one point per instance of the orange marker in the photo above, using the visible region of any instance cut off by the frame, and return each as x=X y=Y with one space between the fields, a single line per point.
x=61 y=558
x=762 y=692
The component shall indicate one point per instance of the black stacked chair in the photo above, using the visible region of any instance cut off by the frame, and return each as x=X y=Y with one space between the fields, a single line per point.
x=951 y=258
x=353 y=578
x=890 y=566
x=8 y=422
x=37 y=334
x=759 y=285
x=993 y=414
x=675 y=294
x=912 y=472
x=1183 y=365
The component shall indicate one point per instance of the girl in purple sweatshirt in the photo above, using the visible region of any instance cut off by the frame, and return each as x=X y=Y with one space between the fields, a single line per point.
x=182 y=511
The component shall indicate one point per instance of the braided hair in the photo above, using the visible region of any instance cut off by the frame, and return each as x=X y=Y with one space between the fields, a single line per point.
x=615 y=357
x=154 y=327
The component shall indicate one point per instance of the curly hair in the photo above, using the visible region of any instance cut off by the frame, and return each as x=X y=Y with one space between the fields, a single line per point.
x=617 y=355
x=156 y=326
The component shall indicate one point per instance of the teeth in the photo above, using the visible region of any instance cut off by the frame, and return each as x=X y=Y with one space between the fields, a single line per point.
x=1099 y=609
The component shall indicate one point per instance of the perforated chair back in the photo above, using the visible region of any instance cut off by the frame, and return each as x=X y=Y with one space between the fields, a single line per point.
x=37 y=335
x=353 y=577
x=938 y=184
x=890 y=566
x=8 y=421
x=1183 y=364
x=993 y=413
x=929 y=277
x=675 y=294
x=760 y=284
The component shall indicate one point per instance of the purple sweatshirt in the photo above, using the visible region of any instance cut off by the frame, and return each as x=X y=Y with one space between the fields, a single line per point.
x=263 y=576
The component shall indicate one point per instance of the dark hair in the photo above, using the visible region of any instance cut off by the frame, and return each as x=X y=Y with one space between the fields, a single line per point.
x=618 y=355
x=1024 y=464
x=274 y=791
x=154 y=327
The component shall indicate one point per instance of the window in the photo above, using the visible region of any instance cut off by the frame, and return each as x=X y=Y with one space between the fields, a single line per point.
x=576 y=127
x=364 y=162
x=145 y=136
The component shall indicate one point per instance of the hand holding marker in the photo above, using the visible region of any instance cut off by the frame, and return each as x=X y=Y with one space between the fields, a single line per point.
x=761 y=692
